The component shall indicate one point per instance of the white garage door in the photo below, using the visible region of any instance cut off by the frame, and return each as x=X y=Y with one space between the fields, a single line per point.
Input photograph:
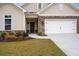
x=52 y=26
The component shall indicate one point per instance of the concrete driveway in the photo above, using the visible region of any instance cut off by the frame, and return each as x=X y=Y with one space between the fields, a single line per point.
x=68 y=43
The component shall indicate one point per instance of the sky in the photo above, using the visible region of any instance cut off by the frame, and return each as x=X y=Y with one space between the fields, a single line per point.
x=19 y=4
x=74 y=4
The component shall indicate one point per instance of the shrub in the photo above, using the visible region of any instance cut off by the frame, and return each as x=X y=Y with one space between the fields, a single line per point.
x=18 y=34
x=40 y=33
x=10 y=33
x=3 y=35
x=24 y=34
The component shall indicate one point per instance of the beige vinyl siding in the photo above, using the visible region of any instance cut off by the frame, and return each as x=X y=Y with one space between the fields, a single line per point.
x=45 y=4
x=57 y=9
x=18 y=18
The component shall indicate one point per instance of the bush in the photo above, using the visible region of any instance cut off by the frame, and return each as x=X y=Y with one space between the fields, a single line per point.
x=24 y=34
x=18 y=34
x=11 y=33
x=3 y=34
x=40 y=33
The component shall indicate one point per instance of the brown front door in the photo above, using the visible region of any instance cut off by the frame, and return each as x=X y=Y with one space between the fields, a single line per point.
x=32 y=27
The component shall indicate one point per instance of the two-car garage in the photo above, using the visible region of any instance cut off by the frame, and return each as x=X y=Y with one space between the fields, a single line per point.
x=60 y=26
x=60 y=18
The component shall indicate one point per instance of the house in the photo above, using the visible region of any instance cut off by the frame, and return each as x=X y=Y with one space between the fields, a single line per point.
x=42 y=18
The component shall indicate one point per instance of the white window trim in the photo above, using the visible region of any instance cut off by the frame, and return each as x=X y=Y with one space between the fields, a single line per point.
x=41 y=6
x=4 y=23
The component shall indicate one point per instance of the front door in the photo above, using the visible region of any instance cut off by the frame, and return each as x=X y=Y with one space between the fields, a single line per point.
x=32 y=27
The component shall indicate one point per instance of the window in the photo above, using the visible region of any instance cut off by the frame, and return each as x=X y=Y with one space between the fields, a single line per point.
x=8 y=22
x=39 y=5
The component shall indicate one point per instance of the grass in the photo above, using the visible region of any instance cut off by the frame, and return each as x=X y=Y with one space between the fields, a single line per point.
x=33 y=47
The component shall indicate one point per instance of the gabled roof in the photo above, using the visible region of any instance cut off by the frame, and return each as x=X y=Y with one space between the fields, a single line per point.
x=19 y=7
x=25 y=4
x=44 y=8
x=13 y=5
x=52 y=4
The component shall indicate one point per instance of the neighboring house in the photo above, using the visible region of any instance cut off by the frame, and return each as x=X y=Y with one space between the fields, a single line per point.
x=42 y=18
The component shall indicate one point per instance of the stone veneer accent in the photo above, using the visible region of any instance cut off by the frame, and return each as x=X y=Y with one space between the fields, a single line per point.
x=41 y=27
x=41 y=19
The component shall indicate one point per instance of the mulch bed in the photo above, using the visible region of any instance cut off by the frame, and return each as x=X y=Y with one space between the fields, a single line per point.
x=10 y=39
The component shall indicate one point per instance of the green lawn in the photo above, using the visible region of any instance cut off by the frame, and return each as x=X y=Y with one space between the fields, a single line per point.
x=32 y=47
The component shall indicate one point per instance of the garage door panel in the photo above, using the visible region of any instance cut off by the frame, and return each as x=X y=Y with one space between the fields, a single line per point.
x=51 y=27
x=60 y=26
x=68 y=27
